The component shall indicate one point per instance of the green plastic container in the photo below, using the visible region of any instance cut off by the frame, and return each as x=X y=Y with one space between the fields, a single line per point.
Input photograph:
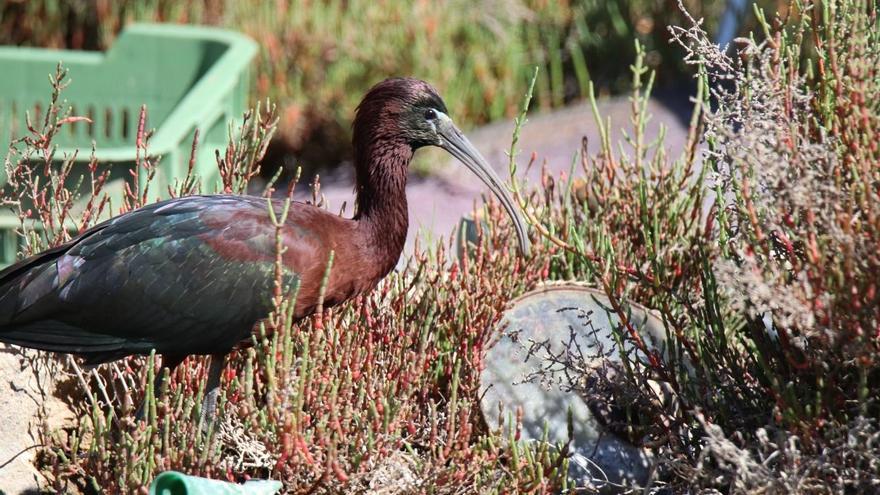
x=175 y=483
x=189 y=78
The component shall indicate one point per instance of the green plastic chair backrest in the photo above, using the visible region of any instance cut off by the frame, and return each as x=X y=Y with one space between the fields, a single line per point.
x=140 y=68
x=175 y=483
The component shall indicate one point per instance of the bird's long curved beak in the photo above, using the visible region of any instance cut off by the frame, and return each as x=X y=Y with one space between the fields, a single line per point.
x=458 y=146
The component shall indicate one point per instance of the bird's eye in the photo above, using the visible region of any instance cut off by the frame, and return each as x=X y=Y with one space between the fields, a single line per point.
x=430 y=114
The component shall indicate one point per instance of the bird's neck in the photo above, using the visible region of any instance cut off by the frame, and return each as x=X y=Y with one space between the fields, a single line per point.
x=382 y=164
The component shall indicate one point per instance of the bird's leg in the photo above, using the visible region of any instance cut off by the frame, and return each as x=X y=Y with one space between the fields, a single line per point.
x=170 y=362
x=318 y=320
x=212 y=390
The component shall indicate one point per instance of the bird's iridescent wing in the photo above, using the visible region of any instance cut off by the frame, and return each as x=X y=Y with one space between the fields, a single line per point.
x=191 y=274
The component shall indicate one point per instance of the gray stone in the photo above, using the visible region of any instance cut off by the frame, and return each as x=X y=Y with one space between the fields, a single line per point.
x=548 y=335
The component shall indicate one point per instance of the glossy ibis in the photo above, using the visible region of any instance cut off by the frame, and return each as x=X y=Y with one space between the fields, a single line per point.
x=194 y=275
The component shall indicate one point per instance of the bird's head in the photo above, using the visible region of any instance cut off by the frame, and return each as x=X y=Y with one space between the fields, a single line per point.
x=412 y=110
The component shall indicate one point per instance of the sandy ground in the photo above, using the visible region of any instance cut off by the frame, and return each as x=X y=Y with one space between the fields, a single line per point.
x=20 y=400
x=436 y=205
x=27 y=394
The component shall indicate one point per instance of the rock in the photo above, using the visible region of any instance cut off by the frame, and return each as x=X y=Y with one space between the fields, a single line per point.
x=549 y=336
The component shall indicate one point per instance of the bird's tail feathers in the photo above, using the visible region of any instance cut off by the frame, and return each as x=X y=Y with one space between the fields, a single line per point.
x=56 y=336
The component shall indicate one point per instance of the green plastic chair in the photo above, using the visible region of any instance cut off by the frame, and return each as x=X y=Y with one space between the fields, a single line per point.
x=175 y=483
x=189 y=77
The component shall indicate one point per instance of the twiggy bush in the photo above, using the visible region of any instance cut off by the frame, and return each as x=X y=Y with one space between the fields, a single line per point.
x=756 y=245
x=380 y=394
x=759 y=251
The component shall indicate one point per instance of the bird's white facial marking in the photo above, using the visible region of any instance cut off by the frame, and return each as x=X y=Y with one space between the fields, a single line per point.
x=442 y=119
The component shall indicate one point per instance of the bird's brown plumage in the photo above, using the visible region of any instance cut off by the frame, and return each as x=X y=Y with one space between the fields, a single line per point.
x=193 y=275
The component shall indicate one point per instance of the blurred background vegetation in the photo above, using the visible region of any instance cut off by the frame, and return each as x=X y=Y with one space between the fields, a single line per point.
x=318 y=57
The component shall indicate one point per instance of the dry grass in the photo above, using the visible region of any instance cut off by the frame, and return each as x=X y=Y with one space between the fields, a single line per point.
x=761 y=258
x=383 y=388
x=767 y=215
